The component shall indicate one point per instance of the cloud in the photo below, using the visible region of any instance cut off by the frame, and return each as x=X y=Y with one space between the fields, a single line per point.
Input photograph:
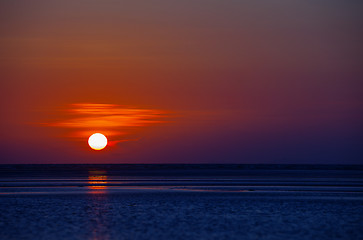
x=83 y=119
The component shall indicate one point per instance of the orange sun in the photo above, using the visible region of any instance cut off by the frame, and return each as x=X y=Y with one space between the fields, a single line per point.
x=97 y=141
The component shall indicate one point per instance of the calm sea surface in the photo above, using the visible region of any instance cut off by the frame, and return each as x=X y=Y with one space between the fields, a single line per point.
x=181 y=202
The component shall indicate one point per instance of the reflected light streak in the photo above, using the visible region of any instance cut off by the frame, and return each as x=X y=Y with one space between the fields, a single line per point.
x=97 y=180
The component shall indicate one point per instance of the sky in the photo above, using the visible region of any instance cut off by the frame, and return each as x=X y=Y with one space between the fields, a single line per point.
x=192 y=81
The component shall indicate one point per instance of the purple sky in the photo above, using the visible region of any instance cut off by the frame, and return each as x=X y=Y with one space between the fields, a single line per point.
x=194 y=81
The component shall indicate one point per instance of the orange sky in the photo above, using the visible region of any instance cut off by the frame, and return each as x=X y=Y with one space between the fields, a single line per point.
x=219 y=81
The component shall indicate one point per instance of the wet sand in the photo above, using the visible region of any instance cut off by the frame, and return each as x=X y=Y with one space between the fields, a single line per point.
x=179 y=215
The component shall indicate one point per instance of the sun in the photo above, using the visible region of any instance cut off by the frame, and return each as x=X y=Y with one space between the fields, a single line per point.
x=97 y=141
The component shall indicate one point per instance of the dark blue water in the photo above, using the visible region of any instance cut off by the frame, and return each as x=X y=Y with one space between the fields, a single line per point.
x=181 y=202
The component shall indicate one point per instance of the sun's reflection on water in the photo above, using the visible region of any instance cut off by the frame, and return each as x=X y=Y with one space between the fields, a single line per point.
x=97 y=206
x=97 y=181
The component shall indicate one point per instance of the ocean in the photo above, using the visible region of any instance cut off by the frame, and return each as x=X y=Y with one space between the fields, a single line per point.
x=181 y=201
